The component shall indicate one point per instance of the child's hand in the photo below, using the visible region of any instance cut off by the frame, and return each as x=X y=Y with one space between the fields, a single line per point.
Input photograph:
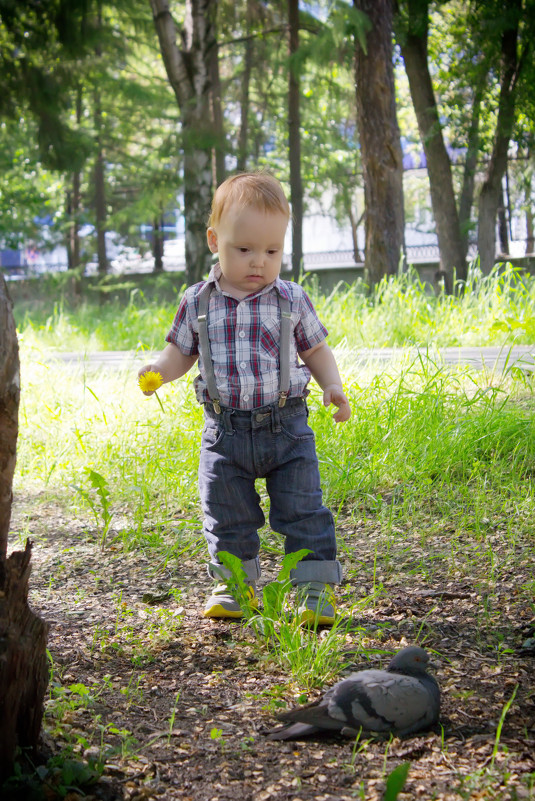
x=335 y=394
x=149 y=379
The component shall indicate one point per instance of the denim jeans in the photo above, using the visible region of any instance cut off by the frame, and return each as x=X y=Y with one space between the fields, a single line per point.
x=275 y=443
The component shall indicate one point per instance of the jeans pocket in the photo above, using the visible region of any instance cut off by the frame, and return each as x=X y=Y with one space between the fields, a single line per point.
x=212 y=435
x=296 y=428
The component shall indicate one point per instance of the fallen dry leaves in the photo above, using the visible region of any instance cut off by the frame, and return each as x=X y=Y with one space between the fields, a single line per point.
x=181 y=715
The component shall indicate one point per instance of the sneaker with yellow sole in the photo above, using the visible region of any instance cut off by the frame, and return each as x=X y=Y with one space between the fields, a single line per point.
x=316 y=604
x=221 y=603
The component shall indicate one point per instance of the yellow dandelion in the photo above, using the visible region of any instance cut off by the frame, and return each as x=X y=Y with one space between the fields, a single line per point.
x=150 y=382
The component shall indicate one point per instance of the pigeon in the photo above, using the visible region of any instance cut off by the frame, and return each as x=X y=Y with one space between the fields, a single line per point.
x=402 y=700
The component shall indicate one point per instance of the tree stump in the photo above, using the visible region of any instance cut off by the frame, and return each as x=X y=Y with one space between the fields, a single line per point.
x=23 y=635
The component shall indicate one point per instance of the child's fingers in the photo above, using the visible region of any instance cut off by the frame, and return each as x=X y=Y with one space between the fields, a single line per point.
x=343 y=413
x=340 y=400
x=141 y=372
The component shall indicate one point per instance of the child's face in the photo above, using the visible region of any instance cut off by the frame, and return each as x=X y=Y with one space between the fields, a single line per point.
x=250 y=245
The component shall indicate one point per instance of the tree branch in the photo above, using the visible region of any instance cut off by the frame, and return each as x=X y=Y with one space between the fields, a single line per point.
x=173 y=57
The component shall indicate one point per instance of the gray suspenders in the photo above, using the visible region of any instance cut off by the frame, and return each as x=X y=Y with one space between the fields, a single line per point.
x=204 y=343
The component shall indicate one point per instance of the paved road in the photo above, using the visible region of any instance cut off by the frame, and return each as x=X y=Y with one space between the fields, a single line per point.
x=490 y=359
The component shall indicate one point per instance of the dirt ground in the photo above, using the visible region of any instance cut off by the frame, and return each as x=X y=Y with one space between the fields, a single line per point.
x=186 y=717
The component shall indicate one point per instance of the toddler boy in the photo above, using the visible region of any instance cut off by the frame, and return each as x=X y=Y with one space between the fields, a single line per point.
x=247 y=327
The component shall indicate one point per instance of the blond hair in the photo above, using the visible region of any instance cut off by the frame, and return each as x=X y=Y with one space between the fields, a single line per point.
x=260 y=190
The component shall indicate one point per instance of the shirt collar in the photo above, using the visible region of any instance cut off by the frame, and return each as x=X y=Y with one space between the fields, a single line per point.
x=278 y=284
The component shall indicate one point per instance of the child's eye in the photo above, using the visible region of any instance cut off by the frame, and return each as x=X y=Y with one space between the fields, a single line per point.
x=243 y=250
x=272 y=252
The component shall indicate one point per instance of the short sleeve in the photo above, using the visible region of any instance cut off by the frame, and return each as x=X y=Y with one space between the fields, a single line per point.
x=182 y=333
x=309 y=330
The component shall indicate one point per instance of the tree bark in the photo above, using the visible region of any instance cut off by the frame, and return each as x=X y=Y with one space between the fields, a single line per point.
x=74 y=203
x=100 y=211
x=294 y=142
x=414 y=51
x=158 y=243
x=466 y=198
x=491 y=190
x=99 y=173
x=23 y=663
x=217 y=113
x=354 y=223
x=243 y=133
x=9 y=410
x=503 y=226
x=530 y=233
x=382 y=160
x=188 y=71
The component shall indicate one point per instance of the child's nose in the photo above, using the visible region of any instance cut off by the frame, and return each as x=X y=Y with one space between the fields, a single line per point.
x=257 y=259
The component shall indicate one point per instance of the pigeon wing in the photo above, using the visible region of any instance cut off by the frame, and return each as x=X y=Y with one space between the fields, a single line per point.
x=381 y=701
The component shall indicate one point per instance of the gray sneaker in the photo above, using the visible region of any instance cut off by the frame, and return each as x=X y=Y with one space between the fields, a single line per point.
x=316 y=604
x=222 y=604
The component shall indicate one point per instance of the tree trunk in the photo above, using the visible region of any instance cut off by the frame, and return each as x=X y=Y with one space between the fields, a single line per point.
x=217 y=114
x=354 y=232
x=530 y=234
x=382 y=160
x=9 y=410
x=466 y=198
x=100 y=193
x=414 y=52
x=294 y=142
x=157 y=243
x=23 y=663
x=188 y=71
x=491 y=190
x=74 y=203
x=503 y=232
x=243 y=133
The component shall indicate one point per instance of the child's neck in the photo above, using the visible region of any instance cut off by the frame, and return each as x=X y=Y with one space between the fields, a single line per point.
x=239 y=294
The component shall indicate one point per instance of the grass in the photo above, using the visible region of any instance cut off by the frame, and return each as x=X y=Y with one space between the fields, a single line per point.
x=418 y=435
x=401 y=311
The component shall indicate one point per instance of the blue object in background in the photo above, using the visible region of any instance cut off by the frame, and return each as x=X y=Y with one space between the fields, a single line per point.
x=11 y=259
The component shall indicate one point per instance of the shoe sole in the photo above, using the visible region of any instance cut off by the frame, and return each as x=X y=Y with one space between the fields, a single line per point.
x=219 y=611
x=310 y=619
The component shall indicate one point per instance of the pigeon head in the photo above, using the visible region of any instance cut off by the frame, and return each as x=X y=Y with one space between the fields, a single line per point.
x=410 y=661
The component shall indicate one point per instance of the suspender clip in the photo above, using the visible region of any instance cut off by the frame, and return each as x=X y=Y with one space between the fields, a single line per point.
x=217 y=407
x=282 y=398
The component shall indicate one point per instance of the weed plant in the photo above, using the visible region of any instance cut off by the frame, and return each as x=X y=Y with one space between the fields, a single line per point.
x=402 y=310
x=312 y=660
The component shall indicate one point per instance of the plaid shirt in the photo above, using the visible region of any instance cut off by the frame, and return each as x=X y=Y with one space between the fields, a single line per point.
x=244 y=341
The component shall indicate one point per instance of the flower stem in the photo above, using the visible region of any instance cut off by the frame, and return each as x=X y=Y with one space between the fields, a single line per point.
x=159 y=401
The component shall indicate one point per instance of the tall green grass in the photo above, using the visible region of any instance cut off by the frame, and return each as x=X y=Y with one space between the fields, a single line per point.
x=460 y=443
x=401 y=311
x=421 y=436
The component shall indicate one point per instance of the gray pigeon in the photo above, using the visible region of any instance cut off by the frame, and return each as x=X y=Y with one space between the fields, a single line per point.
x=403 y=699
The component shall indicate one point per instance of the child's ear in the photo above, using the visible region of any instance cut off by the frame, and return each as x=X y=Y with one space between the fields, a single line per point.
x=211 y=237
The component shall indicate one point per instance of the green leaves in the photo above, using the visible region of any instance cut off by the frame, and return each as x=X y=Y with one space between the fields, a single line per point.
x=395 y=781
x=99 y=505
